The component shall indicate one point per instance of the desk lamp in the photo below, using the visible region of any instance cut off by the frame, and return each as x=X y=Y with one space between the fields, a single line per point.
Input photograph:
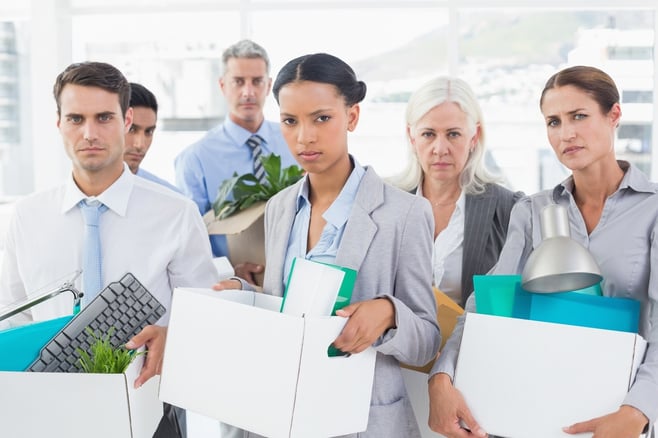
x=68 y=286
x=559 y=263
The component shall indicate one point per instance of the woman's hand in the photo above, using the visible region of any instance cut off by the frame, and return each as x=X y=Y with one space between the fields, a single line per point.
x=368 y=320
x=448 y=410
x=627 y=422
x=248 y=271
x=227 y=285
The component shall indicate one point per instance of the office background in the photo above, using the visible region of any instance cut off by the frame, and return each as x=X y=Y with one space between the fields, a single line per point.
x=506 y=49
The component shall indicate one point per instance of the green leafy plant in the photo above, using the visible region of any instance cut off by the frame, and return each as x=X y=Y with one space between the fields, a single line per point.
x=240 y=192
x=104 y=358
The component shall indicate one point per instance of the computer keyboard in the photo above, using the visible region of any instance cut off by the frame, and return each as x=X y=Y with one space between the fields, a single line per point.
x=125 y=305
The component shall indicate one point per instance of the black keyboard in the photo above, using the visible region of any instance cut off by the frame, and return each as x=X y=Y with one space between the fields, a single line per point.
x=125 y=305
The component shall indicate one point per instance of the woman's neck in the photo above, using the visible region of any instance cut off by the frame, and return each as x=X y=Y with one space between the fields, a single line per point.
x=325 y=187
x=441 y=193
x=596 y=183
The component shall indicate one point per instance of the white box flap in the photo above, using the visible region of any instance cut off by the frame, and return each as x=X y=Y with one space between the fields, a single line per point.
x=234 y=368
x=323 y=383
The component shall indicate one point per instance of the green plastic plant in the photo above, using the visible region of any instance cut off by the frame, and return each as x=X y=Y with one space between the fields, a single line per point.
x=104 y=358
x=240 y=192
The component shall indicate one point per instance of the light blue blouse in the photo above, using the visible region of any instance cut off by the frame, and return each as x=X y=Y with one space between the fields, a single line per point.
x=336 y=217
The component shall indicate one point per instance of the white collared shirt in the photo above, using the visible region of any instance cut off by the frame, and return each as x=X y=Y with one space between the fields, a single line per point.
x=448 y=252
x=148 y=230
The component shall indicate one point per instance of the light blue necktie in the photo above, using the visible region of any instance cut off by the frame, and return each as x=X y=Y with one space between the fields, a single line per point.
x=255 y=142
x=91 y=258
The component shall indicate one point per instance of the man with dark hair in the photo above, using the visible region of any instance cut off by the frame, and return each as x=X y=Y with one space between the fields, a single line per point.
x=230 y=147
x=140 y=134
x=142 y=227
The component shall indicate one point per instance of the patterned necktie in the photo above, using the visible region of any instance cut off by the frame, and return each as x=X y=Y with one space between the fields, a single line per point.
x=91 y=258
x=254 y=142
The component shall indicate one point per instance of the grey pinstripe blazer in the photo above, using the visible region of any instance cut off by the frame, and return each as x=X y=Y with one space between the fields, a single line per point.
x=485 y=230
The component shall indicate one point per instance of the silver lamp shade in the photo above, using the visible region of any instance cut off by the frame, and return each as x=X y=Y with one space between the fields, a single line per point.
x=559 y=263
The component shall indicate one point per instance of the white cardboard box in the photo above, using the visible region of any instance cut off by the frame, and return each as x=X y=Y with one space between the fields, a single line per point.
x=234 y=357
x=525 y=378
x=78 y=405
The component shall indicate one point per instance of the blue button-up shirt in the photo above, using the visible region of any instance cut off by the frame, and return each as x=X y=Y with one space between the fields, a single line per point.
x=202 y=167
x=336 y=217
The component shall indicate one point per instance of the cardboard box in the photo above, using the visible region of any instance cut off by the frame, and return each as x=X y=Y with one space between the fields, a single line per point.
x=447 y=313
x=234 y=357
x=79 y=405
x=245 y=235
x=524 y=378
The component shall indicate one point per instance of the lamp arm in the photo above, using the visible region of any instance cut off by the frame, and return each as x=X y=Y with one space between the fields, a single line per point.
x=68 y=286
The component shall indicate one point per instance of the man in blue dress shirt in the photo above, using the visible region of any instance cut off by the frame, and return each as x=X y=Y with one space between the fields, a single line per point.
x=140 y=134
x=202 y=167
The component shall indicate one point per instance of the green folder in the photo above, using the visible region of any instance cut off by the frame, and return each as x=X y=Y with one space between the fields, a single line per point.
x=344 y=294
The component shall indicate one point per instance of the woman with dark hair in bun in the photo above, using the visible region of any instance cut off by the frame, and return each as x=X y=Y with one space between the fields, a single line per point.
x=343 y=213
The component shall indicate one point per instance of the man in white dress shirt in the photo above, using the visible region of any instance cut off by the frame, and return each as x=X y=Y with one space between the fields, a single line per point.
x=148 y=230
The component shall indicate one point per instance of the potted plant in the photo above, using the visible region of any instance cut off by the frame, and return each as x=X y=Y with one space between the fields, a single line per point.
x=103 y=357
x=241 y=192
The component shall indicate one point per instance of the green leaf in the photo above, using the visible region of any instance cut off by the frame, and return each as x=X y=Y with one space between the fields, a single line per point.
x=224 y=192
x=241 y=192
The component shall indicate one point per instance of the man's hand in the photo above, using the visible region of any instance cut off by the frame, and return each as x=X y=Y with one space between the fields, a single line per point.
x=368 y=320
x=448 y=410
x=248 y=271
x=154 y=338
x=627 y=422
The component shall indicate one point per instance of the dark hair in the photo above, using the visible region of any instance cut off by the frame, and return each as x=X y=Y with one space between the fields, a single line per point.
x=94 y=74
x=323 y=68
x=142 y=96
x=596 y=83
x=245 y=49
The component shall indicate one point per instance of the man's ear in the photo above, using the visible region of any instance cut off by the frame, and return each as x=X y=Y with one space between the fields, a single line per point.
x=128 y=119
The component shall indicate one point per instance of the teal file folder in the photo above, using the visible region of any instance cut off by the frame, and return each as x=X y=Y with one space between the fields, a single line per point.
x=20 y=346
x=502 y=295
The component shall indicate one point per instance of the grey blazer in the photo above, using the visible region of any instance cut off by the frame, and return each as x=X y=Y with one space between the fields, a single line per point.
x=388 y=240
x=485 y=229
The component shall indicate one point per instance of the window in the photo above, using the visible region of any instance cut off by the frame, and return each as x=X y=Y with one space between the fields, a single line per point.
x=634 y=96
x=174 y=49
x=507 y=56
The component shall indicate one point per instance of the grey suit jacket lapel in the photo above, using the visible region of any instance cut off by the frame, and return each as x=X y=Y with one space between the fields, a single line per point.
x=360 y=228
x=279 y=241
